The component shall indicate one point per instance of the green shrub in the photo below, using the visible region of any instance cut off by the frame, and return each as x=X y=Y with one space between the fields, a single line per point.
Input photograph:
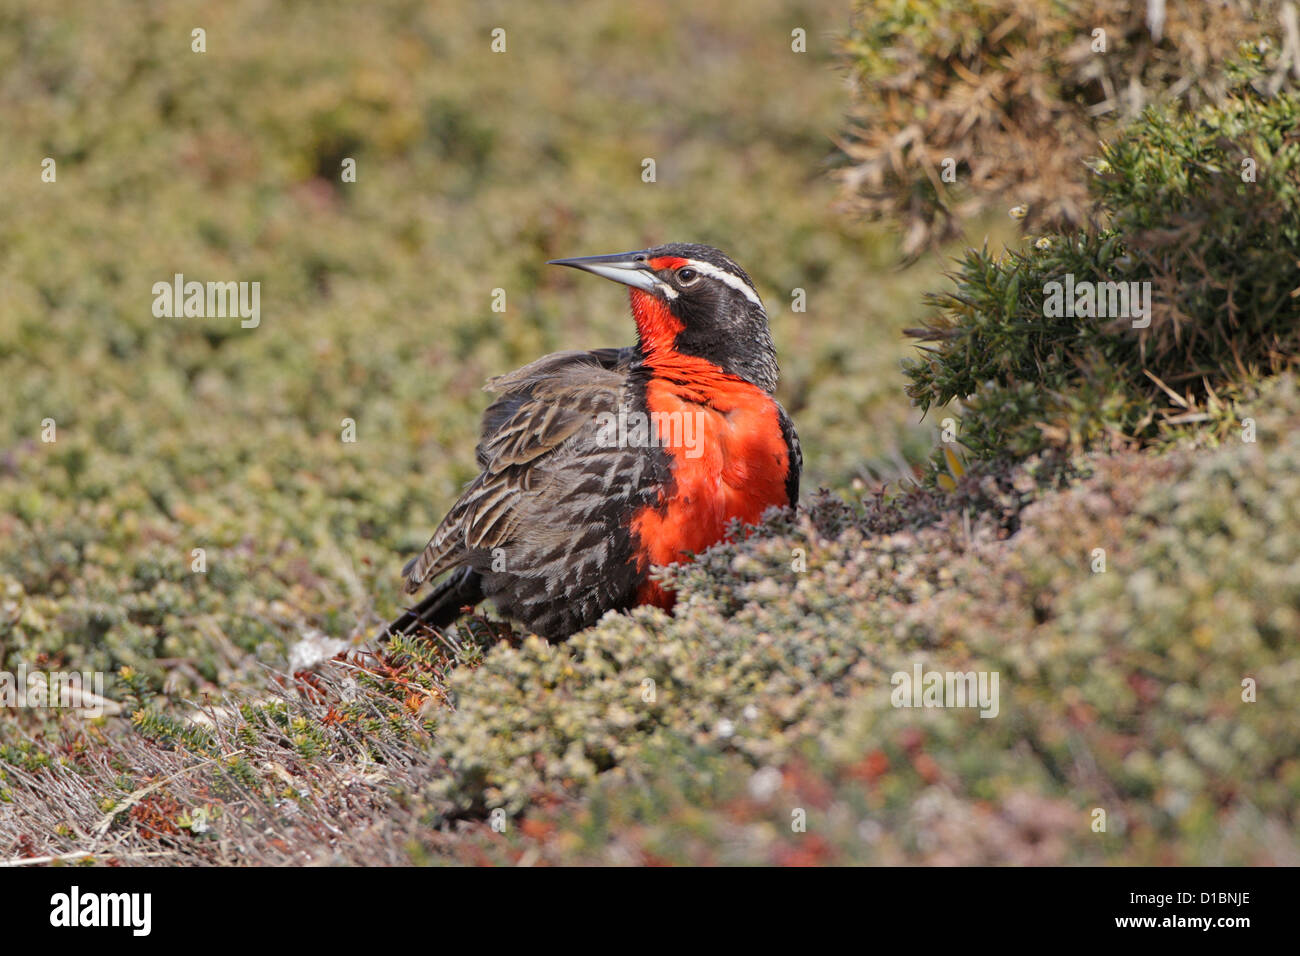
x=1009 y=97
x=1218 y=251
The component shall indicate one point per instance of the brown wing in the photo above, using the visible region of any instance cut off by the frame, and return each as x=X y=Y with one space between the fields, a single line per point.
x=545 y=409
x=516 y=388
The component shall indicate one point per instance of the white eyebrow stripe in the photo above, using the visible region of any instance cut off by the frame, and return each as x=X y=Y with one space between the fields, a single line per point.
x=736 y=282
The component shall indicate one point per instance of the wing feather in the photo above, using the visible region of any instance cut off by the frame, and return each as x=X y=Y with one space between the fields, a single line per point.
x=546 y=409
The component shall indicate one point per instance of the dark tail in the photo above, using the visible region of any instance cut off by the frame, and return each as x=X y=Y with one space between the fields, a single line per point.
x=442 y=605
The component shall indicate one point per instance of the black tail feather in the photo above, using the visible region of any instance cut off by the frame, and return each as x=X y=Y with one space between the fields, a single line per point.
x=442 y=605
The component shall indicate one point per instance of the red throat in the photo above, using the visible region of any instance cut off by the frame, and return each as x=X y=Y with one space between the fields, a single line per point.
x=737 y=467
x=655 y=324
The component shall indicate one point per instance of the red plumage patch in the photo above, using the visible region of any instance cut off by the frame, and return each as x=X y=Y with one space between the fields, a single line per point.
x=735 y=466
x=657 y=326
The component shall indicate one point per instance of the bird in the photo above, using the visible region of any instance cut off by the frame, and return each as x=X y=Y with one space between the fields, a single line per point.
x=597 y=466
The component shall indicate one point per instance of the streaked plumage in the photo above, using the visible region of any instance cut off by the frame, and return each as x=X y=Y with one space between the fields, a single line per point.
x=560 y=527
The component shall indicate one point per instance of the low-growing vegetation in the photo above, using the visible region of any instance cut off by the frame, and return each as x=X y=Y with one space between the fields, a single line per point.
x=696 y=737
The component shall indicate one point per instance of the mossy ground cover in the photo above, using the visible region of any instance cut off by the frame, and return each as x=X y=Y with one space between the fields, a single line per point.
x=767 y=699
x=755 y=724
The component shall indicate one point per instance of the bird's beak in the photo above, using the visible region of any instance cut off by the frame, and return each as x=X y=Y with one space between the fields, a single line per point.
x=629 y=268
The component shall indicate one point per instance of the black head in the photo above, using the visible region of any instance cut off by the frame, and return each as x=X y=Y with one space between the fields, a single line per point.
x=694 y=300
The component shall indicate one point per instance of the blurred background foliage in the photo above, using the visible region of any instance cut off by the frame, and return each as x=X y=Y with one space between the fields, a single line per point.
x=473 y=169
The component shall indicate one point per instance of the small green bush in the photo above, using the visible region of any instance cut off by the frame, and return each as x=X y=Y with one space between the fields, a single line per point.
x=960 y=107
x=1185 y=213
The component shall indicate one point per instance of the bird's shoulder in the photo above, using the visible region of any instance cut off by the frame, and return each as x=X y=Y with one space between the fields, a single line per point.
x=562 y=364
x=541 y=405
x=539 y=409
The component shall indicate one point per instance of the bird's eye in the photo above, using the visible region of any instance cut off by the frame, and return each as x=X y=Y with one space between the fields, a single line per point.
x=687 y=275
